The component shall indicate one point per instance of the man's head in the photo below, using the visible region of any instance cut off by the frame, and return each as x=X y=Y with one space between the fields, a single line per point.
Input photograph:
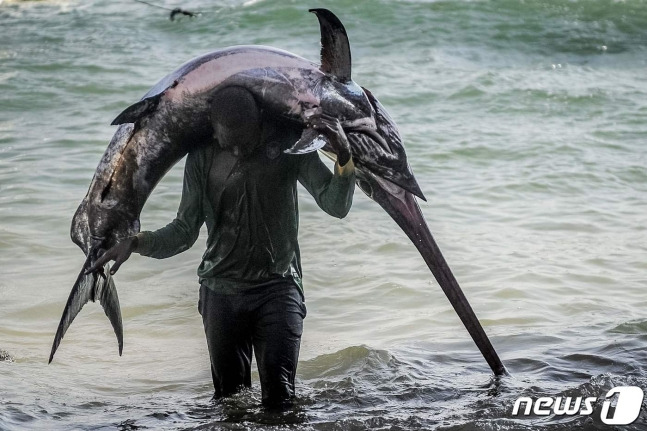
x=236 y=121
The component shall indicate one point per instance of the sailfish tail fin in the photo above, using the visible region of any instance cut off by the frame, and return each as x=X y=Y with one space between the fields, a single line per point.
x=91 y=287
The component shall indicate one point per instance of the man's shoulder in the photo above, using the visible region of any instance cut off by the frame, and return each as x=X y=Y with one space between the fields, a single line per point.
x=197 y=163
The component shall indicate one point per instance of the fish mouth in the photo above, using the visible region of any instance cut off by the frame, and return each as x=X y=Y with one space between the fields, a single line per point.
x=401 y=205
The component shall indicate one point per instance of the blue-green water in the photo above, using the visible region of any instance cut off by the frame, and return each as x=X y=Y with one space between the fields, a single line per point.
x=525 y=124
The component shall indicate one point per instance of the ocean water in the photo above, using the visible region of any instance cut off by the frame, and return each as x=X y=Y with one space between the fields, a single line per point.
x=525 y=123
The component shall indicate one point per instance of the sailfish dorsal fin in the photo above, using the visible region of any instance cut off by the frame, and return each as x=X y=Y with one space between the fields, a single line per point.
x=335 y=48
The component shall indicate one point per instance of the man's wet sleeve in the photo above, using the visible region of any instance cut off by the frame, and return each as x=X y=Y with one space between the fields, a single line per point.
x=181 y=233
x=332 y=192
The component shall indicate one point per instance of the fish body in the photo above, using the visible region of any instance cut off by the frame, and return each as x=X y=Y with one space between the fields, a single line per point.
x=174 y=118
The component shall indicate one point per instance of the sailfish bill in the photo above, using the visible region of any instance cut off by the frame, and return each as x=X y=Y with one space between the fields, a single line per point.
x=403 y=208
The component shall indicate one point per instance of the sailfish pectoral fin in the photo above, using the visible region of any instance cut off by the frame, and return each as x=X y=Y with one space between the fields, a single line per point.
x=311 y=140
x=137 y=111
x=401 y=205
x=90 y=287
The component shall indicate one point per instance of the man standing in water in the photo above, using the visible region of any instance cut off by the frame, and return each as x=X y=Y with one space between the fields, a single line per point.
x=244 y=187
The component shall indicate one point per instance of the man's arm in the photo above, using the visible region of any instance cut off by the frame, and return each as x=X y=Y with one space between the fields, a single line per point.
x=332 y=192
x=183 y=231
x=177 y=236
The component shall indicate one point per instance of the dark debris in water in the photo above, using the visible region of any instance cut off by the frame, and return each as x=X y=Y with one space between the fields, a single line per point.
x=5 y=356
x=129 y=425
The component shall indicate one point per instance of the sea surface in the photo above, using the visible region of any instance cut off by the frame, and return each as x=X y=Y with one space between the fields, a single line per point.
x=525 y=123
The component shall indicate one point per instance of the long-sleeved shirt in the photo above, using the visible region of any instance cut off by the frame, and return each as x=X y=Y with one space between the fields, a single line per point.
x=250 y=207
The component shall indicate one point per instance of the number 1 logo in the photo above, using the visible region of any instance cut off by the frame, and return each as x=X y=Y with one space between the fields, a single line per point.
x=630 y=399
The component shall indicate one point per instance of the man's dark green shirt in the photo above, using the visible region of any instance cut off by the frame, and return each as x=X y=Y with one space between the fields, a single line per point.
x=250 y=207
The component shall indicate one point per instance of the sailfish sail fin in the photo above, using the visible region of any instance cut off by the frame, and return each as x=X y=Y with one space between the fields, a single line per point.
x=335 y=48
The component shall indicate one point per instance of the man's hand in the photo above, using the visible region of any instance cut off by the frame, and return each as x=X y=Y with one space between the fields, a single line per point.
x=331 y=127
x=120 y=253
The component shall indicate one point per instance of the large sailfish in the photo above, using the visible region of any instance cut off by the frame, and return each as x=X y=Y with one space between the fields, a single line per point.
x=174 y=117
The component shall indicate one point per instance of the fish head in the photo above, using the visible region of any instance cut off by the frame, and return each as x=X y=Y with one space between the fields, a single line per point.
x=374 y=138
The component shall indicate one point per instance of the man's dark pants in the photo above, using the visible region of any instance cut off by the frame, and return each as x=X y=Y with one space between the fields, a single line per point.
x=267 y=318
